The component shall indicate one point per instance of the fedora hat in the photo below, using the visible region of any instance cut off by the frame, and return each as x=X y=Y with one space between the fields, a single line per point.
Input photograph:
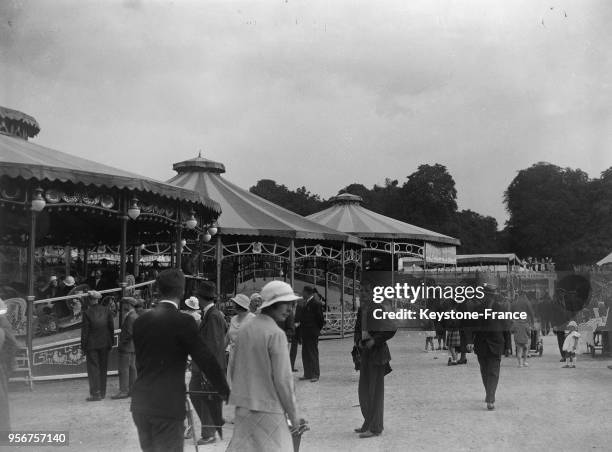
x=277 y=292
x=242 y=300
x=206 y=291
x=193 y=303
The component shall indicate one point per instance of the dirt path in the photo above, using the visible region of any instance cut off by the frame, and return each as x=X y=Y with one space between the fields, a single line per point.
x=428 y=406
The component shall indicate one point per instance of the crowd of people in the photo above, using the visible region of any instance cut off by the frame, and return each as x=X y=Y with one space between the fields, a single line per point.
x=249 y=359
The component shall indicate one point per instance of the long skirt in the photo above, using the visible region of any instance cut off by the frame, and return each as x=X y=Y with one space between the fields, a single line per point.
x=453 y=338
x=257 y=431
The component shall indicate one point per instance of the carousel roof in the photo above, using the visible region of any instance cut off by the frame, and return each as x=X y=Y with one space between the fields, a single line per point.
x=348 y=215
x=20 y=158
x=244 y=213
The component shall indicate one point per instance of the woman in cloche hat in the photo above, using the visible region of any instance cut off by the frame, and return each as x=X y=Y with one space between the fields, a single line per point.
x=262 y=380
x=242 y=305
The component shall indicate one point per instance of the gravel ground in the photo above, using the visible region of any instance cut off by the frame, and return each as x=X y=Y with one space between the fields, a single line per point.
x=428 y=406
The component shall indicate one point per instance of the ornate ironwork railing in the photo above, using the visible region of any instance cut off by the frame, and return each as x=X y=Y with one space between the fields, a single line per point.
x=333 y=323
x=397 y=248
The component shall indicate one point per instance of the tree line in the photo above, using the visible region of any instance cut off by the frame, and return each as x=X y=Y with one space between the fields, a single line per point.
x=554 y=212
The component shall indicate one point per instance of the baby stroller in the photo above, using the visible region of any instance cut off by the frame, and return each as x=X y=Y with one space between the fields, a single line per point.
x=536 y=346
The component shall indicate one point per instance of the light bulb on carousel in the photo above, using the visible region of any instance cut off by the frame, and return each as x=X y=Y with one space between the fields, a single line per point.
x=133 y=211
x=183 y=243
x=191 y=223
x=38 y=202
x=212 y=230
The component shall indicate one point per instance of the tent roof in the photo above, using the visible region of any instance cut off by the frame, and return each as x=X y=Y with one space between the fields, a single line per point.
x=487 y=258
x=244 y=213
x=20 y=158
x=606 y=260
x=348 y=215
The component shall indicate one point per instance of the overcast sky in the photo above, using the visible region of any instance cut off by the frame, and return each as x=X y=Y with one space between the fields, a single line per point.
x=318 y=93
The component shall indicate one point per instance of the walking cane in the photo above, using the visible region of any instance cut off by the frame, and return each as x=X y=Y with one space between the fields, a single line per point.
x=190 y=422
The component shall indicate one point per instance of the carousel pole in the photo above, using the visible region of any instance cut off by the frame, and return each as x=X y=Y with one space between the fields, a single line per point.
x=393 y=270
x=178 y=247
x=123 y=245
x=343 y=262
x=354 y=282
x=31 y=296
x=85 y=260
x=219 y=259
x=292 y=263
x=67 y=259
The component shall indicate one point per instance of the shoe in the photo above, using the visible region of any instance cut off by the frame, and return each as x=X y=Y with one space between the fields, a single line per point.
x=314 y=380
x=204 y=441
x=360 y=430
x=562 y=360
x=120 y=395
x=490 y=406
x=565 y=367
x=451 y=362
x=439 y=348
x=462 y=361
x=294 y=370
x=573 y=366
x=94 y=398
x=609 y=367
x=525 y=365
x=368 y=434
x=304 y=378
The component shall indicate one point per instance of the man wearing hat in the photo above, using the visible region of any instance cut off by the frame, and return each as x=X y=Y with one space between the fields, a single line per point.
x=8 y=347
x=97 y=333
x=262 y=381
x=212 y=332
x=163 y=338
x=486 y=338
x=311 y=321
x=131 y=308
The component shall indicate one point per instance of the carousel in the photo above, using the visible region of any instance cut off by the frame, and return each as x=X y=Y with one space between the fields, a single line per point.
x=388 y=242
x=258 y=241
x=52 y=200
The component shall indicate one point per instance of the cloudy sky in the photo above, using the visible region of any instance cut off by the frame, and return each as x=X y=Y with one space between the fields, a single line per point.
x=318 y=93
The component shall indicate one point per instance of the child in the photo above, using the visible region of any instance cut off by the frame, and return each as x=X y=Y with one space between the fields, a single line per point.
x=522 y=338
x=570 y=345
x=429 y=336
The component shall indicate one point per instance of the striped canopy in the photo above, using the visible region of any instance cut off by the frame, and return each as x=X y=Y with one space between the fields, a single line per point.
x=244 y=213
x=20 y=158
x=348 y=215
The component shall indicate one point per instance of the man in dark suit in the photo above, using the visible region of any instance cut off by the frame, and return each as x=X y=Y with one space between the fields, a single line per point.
x=311 y=322
x=374 y=365
x=212 y=332
x=131 y=308
x=97 y=333
x=486 y=338
x=296 y=339
x=163 y=337
x=97 y=281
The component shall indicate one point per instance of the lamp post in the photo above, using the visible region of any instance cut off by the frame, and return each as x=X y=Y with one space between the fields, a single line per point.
x=37 y=204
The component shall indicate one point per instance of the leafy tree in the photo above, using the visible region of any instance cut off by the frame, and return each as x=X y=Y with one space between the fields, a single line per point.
x=300 y=201
x=549 y=207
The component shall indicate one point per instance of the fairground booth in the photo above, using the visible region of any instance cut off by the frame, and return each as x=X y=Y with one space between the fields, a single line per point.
x=258 y=241
x=51 y=201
